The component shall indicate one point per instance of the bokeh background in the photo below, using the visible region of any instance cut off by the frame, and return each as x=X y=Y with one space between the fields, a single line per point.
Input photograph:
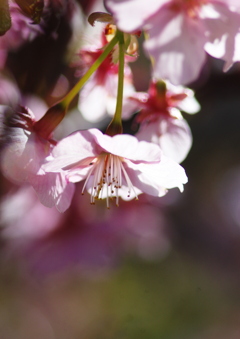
x=155 y=268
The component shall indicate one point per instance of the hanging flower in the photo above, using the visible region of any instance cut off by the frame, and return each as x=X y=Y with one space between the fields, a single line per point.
x=97 y=99
x=161 y=121
x=118 y=166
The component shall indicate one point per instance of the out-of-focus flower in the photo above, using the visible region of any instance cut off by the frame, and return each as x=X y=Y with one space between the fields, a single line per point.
x=23 y=154
x=46 y=242
x=23 y=218
x=97 y=99
x=180 y=31
x=118 y=166
x=160 y=118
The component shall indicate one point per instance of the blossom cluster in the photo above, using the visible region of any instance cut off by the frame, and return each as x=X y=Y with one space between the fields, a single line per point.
x=177 y=35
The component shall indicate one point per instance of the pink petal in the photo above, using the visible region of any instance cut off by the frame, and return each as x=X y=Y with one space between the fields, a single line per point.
x=189 y=105
x=172 y=135
x=53 y=189
x=132 y=14
x=176 y=43
x=78 y=174
x=127 y=146
x=65 y=198
x=23 y=156
x=78 y=145
x=223 y=37
x=66 y=162
x=233 y=3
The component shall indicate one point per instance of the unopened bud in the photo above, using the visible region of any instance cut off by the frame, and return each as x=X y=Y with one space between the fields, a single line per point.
x=47 y=124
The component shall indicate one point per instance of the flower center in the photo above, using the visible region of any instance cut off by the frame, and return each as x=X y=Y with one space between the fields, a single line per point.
x=108 y=175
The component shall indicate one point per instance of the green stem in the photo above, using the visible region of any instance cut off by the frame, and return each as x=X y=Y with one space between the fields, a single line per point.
x=118 y=112
x=115 y=126
x=74 y=91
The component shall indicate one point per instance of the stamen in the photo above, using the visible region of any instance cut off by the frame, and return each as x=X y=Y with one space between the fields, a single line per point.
x=107 y=171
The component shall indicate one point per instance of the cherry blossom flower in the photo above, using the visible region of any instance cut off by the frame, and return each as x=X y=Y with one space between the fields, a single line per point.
x=160 y=118
x=97 y=99
x=24 y=152
x=118 y=166
x=181 y=31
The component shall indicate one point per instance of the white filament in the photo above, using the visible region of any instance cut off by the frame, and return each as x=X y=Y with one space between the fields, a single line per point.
x=108 y=173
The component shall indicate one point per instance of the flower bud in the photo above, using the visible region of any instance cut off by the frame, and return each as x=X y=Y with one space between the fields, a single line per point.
x=46 y=125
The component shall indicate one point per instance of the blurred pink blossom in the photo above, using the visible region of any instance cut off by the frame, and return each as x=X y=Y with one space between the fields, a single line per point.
x=45 y=241
x=160 y=118
x=24 y=218
x=181 y=31
x=97 y=99
x=23 y=155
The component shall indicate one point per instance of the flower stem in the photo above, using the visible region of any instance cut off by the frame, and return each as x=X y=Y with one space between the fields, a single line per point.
x=57 y=112
x=74 y=91
x=115 y=126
